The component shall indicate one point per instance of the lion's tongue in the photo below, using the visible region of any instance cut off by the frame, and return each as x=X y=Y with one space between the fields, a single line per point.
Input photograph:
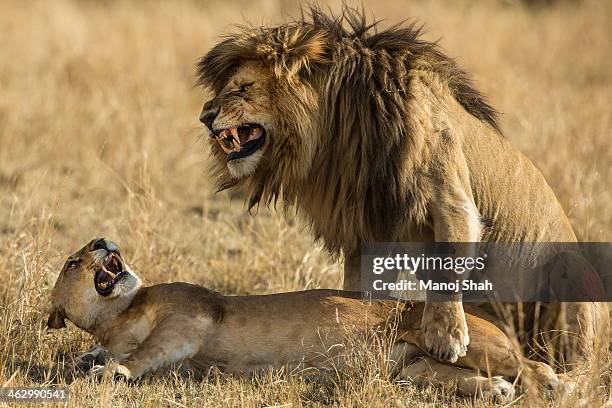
x=246 y=133
x=255 y=134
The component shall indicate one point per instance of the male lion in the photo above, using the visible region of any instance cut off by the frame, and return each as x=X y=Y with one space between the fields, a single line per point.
x=378 y=136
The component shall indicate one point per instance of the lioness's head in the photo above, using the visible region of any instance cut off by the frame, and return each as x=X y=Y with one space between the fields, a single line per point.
x=264 y=99
x=94 y=283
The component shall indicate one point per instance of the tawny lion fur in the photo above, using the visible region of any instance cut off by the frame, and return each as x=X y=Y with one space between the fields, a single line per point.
x=378 y=136
x=144 y=329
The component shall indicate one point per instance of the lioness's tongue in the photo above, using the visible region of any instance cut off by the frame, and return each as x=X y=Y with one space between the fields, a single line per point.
x=104 y=276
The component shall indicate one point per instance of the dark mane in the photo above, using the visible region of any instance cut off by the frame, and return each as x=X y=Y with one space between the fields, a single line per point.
x=347 y=107
x=350 y=26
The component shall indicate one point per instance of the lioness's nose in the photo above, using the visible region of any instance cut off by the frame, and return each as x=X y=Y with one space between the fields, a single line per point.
x=209 y=113
x=99 y=244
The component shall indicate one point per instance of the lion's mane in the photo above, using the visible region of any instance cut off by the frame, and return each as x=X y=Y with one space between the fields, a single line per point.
x=346 y=149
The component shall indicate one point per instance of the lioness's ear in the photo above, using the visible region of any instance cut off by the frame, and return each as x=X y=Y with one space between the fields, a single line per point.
x=57 y=319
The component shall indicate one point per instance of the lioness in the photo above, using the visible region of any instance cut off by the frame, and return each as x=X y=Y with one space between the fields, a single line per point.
x=145 y=328
x=377 y=136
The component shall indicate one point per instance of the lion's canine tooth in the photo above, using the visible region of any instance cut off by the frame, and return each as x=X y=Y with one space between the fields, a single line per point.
x=236 y=144
x=225 y=149
x=224 y=135
x=234 y=132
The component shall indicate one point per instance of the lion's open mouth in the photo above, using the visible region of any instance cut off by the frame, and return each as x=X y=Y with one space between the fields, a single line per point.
x=241 y=141
x=109 y=273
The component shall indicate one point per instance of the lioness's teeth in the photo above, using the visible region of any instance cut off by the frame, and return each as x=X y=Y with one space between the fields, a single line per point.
x=112 y=275
x=234 y=132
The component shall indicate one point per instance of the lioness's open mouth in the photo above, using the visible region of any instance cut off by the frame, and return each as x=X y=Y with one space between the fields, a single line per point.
x=241 y=141
x=109 y=273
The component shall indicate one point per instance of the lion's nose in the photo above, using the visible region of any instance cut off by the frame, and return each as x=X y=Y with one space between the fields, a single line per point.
x=99 y=244
x=208 y=115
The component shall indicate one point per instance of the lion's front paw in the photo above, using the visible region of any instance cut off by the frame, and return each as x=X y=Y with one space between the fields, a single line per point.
x=445 y=331
x=498 y=390
x=116 y=371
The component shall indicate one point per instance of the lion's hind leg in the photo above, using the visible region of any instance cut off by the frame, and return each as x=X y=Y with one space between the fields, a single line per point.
x=573 y=336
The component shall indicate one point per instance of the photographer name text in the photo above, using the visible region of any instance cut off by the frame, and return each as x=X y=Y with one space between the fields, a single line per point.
x=456 y=286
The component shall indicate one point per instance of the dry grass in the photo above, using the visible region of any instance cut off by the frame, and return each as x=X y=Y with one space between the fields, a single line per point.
x=99 y=136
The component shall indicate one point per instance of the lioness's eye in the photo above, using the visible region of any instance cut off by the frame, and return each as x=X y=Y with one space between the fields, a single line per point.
x=73 y=264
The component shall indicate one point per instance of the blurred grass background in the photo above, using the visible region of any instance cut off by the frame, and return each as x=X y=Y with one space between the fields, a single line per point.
x=99 y=136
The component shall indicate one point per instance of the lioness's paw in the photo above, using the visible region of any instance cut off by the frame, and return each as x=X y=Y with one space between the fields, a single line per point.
x=498 y=390
x=445 y=331
x=97 y=371
x=117 y=372
x=563 y=386
x=96 y=355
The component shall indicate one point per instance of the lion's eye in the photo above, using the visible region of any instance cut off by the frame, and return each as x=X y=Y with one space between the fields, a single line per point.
x=73 y=263
x=245 y=87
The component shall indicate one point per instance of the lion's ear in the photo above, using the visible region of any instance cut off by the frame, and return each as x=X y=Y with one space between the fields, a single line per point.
x=294 y=50
x=57 y=319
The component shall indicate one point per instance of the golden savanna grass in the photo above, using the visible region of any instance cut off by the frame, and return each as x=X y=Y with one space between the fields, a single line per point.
x=99 y=137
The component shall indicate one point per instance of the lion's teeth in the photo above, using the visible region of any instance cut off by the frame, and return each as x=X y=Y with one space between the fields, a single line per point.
x=222 y=144
x=236 y=144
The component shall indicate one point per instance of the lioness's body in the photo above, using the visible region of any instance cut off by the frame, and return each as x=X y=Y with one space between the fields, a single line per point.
x=146 y=328
x=244 y=334
x=378 y=136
